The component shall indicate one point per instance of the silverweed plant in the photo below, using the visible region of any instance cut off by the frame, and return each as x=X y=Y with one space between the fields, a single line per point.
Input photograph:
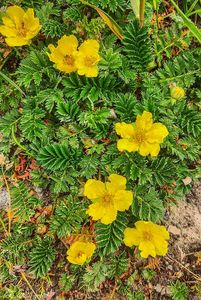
x=99 y=136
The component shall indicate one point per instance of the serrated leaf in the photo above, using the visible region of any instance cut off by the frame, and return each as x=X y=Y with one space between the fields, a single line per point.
x=109 y=237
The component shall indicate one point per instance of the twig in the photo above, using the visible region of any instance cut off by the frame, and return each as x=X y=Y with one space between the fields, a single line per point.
x=29 y=285
x=183 y=267
x=9 y=201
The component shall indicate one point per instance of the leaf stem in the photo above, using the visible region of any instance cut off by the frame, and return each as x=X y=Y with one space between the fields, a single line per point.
x=18 y=143
x=5 y=77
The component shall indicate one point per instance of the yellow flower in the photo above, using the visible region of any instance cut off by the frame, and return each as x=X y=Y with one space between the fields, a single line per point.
x=107 y=198
x=177 y=92
x=150 y=238
x=88 y=58
x=80 y=252
x=64 y=54
x=144 y=136
x=19 y=26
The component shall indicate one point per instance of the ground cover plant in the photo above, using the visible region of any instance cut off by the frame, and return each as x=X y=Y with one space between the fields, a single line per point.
x=99 y=136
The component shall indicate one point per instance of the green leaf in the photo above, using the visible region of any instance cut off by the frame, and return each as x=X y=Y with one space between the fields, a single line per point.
x=147 y=205
x=68 y=217
x=188 y=23
x=109 y=237
x=42 y=257
x=136 y=7
x=57 y=157
x=137 y=46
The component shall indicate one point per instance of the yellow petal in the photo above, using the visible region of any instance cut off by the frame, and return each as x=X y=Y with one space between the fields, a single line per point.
x=125 y=144
x=94 y=189
x=89 y=45
x=144 y=149
x=124 y=130
x=8 y=31
x=51 y=47
x=16 y=13
x=147 y=248
x=141 y=225
x=118 y=180
x=131 y=237
x=123 y=200
x=110 y=215
x=157 y=133
x=91 y=72
x=89 y=249
x=96 y=211
x=144 y=122
x=8 y=22
x=160 y=230
x=79 y=260
x=67 y=44
x=154 y=149
x=16 y=41
x=161 y=246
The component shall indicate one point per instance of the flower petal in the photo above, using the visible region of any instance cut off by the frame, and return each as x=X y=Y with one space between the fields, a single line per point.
x=110 y=215
x=147 y=248
x=67 y=44
x=161 y=246
x=91 y=72
x=118 y=180
x=8 y=31
x=89 y=45
x=125 y=130
x=144 y=122
x=157 y=133
x=96 y=211
x=131 y=237
x=16 y=13
x=16 y=41
x=145 y=149
x=94 y=189
x=123 y=200
x=125 y=144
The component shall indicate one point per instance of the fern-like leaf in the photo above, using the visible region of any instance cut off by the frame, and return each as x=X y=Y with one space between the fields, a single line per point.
x=42 y=257
x=57 y=157
x=109 y=237
x=137 y=46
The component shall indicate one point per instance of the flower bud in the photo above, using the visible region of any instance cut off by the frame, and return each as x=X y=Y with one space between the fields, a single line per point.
x=177 y=92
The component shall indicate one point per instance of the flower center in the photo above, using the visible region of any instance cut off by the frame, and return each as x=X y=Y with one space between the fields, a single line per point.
x=107 y=198
x=90 y=61
x=69 y=59
x=80 y=253
x=147 y=236
x=140 y=137
x=22 y=30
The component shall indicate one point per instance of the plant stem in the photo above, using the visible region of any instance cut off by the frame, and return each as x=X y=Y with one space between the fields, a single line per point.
x=18 y=143
x=9 y=201
x=12 y=83
x=142 y=10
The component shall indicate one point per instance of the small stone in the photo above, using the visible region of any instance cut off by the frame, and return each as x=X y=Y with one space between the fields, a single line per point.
x=187 y=180
x=174 y=230
x=4 y=198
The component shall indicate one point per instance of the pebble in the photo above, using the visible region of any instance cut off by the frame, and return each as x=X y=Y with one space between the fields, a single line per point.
x=4 y=198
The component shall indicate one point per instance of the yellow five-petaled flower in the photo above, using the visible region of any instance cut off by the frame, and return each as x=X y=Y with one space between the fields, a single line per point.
x=19 y=27
x=143 y=136
x=150 y=238
x=88 y=58
x=79 y=252
x=107 y=198
x=64 y=54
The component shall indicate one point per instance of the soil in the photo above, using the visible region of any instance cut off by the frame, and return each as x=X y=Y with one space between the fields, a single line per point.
x=183 y=261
